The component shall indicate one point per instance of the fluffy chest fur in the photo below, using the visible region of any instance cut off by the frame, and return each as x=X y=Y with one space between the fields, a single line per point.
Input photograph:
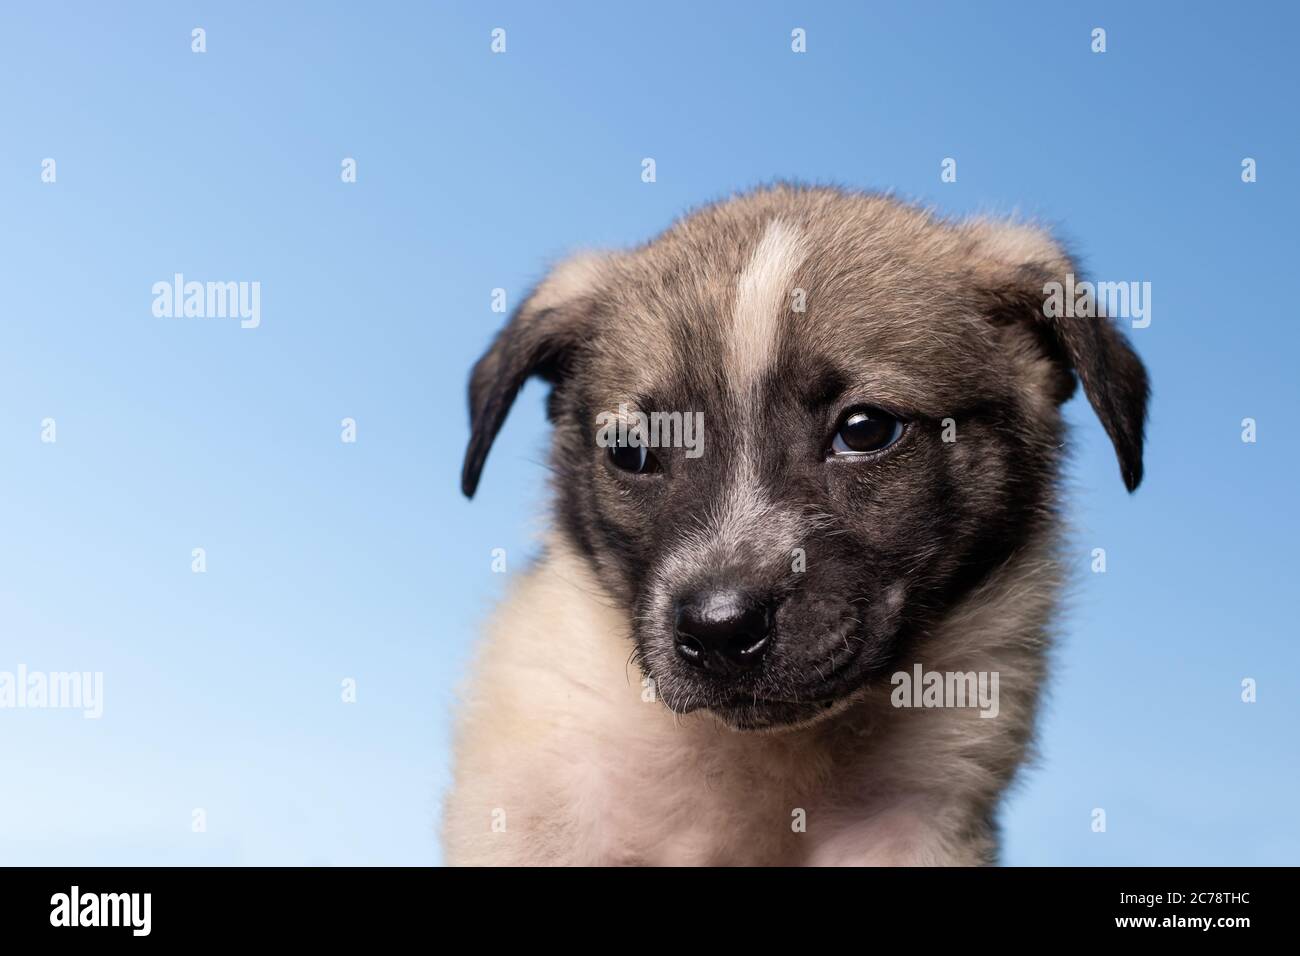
x=565 y=756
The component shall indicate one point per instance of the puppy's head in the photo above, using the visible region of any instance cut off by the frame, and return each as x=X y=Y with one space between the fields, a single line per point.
x=857 y=420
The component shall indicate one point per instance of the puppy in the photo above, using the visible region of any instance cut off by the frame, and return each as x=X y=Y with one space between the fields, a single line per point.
x=764 y=649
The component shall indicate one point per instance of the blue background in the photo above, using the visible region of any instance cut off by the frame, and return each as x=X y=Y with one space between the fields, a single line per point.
x=329 y=560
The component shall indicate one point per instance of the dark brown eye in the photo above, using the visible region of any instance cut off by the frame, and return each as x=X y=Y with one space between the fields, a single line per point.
x=864 y=430
x=634 y=458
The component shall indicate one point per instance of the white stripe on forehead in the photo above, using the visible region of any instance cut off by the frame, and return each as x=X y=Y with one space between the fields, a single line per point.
x=762 y=298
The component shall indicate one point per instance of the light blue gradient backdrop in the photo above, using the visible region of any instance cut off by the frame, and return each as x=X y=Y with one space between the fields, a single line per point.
x=328 y=560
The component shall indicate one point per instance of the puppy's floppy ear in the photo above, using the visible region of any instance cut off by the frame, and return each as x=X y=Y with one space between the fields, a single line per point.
x=538 y=340
x=1014 y=265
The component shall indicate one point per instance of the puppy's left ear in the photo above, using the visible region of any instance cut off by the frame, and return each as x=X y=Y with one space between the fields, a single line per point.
x=1014 y=265
x=540 y=338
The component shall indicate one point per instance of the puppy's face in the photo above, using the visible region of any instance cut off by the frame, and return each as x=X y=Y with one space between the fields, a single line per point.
x=838 y=416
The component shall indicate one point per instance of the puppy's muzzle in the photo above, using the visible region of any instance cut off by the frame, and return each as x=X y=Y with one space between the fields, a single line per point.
x=722 y=631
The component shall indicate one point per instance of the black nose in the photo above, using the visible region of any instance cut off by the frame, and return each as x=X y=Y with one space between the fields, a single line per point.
x=722 y=631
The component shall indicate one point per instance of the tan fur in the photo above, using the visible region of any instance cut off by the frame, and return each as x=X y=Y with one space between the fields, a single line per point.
x=557 y=740
x=566 y=755
x=569 y=279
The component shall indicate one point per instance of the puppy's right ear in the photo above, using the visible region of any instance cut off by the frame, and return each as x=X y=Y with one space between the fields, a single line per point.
x=1012 y=268
x=539 y=340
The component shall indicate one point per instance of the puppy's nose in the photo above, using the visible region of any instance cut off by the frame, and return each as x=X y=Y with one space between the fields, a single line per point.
x=723 y=631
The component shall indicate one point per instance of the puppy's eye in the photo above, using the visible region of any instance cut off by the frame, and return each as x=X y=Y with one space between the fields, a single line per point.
x=634 y=458
x=864 y=430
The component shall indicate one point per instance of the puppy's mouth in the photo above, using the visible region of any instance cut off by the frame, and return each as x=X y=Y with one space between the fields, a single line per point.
x=769 y=703
x=777 y=714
